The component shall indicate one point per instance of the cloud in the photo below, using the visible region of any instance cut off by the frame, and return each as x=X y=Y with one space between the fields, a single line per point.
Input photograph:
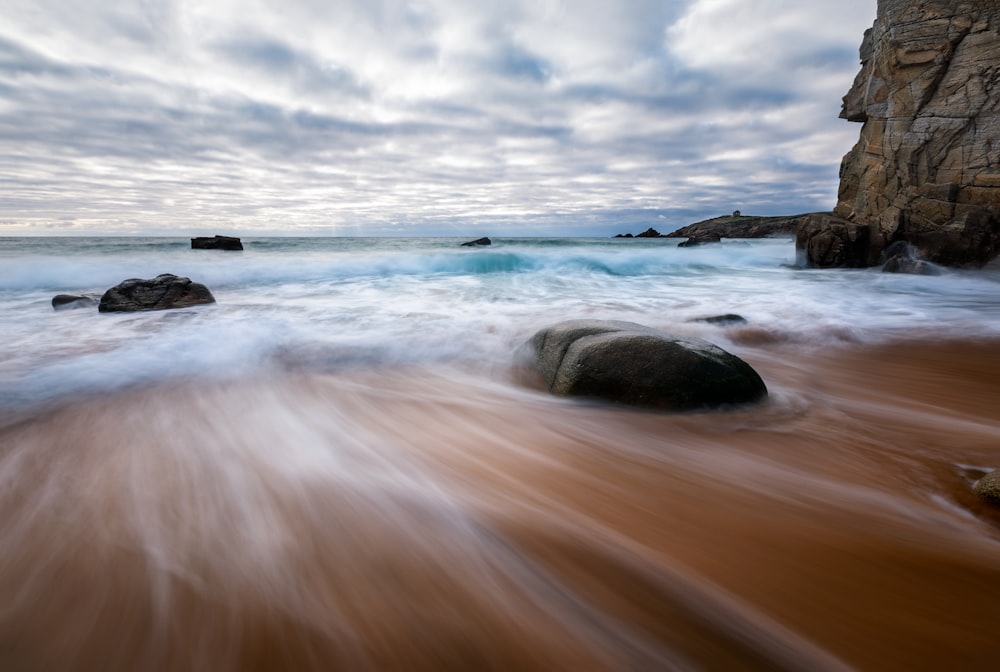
x=370 y=117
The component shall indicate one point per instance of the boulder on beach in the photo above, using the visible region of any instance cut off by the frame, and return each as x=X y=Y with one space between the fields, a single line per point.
x=73 y=301
x=477 y=242
x=633 y=364
x=216 y=243
x=902 y=257
x=827 y=241
x=160 y=293
x=987 y=488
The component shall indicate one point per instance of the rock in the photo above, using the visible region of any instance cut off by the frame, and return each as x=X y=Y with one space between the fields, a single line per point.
x=216 y=243
x=161 y=293
x=987 y=488
x=649 y=233
x=700 y=240
x=825 y=241
x=904 y=258
x=632 y=364
x=624 y=235
x=741 y=226
x=925 y=169
x=478 y=241
x=73 y=301
x=724 y=320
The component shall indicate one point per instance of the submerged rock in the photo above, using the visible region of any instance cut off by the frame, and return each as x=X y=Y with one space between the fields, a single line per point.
x=633 y=364
x=216 y=243
x=987 y=488
x=478 y=241
x=724 y=320
x=73 y=301
x=703 y=239
x=160 y=293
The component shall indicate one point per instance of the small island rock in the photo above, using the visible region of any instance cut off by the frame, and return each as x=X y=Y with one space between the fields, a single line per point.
x=216 y=243
x=632 y=364
x=478 y=241
x=160 y=293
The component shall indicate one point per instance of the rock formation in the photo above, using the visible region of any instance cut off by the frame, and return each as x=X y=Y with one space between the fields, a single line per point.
x=926 y=168
x=216 y=243
x=632 y=364
x=161 y=293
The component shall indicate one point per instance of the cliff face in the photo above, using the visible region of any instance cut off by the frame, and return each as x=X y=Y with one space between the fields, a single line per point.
x=927 y=166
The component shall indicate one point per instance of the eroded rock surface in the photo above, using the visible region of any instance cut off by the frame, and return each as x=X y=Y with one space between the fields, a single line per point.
x=160 y=293
x=926 y=168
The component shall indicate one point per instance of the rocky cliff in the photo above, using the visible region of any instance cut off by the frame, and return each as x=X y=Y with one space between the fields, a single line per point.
x=926 y=168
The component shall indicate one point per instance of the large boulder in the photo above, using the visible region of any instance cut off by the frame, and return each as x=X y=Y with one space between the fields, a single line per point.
x=925 y=169
x=987 y=488
x=160 y=293
x=632 y=364
x=216 y=243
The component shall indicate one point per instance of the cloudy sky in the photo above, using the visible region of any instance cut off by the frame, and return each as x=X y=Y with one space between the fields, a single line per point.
x=419 y=117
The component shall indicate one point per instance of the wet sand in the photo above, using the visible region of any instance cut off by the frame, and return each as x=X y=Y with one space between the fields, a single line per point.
x=439 y=520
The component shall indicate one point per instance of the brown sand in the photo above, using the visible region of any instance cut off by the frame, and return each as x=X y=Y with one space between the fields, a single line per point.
x=440 y=521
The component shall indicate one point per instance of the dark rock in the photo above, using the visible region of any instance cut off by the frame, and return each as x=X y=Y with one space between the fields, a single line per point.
x=704 y=239
x=826 y=241
x=987 y=488
x=73 y=301
x=632 y=364
x=727 y=319
x=905 y=258
x=161 y=293
x=216 y=243
x=650 y=233
x=478 y=241
x=624 y=235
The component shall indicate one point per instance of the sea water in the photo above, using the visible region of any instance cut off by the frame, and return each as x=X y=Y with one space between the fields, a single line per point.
x=334 y=467
x=333 y=303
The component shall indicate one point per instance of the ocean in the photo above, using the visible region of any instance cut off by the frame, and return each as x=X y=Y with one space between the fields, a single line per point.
x=338 y=466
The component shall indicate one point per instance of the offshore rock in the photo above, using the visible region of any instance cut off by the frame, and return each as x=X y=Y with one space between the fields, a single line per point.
x=477 y=242
x=926 y=168
x=704 y=239
x=216 y=243
x=649 y=233
x=161 y=293
x=632 y=364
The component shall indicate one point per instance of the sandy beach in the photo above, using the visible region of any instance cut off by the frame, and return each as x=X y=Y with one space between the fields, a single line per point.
x=438 y=519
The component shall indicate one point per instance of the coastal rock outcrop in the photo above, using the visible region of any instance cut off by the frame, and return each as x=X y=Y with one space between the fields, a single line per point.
x=926 y=168
x=216 y=243
x=632 y=364
x=741 y=226
x=826 y=241
x=160 y=293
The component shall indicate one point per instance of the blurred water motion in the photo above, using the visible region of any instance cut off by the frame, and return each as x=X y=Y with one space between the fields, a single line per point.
x=435 y=519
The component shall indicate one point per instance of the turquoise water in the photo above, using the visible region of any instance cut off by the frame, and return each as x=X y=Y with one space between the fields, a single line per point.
x=331 y=303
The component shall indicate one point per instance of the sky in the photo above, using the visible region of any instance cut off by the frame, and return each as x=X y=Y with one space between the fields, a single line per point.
x=422 y=117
